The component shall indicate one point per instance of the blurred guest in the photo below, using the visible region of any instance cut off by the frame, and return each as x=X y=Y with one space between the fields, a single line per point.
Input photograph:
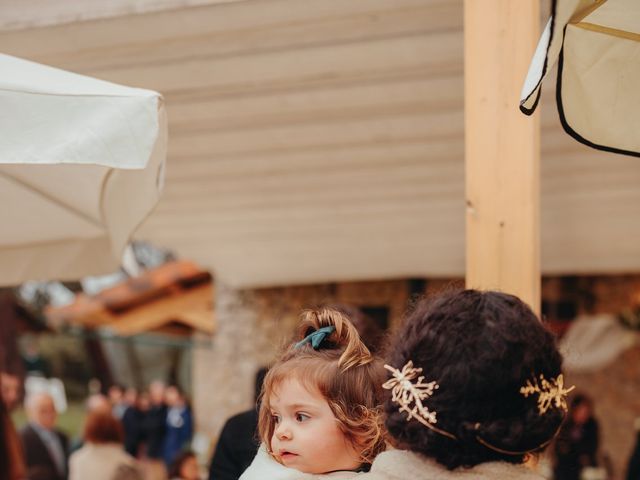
x=130 y=396
x=11 y=389
x=45 y=447
x=184 y=467
x=179 y=424
x=577 y=443
x=238 y=442
x=133 y=422
x=633 y=469
x=11 y=457
x=116 y=397
x=94 y=403
x=102 y=456
x=97 y=402
x=34 y=362
x=154 y=431
x=155 y=424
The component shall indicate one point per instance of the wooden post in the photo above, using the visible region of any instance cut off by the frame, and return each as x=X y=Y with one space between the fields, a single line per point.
x=502 y=149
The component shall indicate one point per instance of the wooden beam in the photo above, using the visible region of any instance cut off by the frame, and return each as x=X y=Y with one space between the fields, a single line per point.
x=502 y=149
x=193 y=305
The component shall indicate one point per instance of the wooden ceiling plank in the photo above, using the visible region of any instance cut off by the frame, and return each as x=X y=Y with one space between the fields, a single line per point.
x=319 y=105
x=183 y=36
x=248 y=73
x=442 y=125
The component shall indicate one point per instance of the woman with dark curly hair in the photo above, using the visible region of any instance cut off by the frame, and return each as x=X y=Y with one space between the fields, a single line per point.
x=475 y=389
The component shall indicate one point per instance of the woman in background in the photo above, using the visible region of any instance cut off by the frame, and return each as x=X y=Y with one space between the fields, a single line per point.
x=102 y=456
x=577 y=443
x=179 y=425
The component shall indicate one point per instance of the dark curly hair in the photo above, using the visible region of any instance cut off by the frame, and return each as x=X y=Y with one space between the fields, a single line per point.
x=481 y=348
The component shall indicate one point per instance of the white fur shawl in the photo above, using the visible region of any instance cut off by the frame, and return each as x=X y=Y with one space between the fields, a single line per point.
x=404 y=465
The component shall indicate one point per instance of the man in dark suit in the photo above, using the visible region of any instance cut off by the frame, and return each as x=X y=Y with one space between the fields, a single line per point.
x=154 y=430
x=46 y=448
x=238 y=442
x=236 y=447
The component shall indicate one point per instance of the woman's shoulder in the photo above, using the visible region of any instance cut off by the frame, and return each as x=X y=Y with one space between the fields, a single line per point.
x=402 y=465
x=108 y=451
x=392 y=465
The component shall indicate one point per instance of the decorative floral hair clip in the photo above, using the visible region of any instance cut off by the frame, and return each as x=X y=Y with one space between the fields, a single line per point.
x=409 y=390
x=551 y=393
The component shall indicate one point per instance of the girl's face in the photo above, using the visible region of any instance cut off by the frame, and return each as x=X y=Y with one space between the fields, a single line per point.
x=307 y=436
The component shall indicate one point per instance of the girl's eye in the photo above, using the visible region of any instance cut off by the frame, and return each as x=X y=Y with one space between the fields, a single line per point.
x=275 y=418
x=302 y=417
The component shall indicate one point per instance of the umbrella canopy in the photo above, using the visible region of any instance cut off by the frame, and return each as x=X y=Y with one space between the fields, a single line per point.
x=81 y=166
x=596 y=44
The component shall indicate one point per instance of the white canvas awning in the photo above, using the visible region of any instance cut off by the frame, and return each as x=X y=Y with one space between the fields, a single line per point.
x=81 y=166
x=596 y=45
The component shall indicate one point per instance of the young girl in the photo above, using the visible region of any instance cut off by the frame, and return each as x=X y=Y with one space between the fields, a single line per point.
x=319 y=411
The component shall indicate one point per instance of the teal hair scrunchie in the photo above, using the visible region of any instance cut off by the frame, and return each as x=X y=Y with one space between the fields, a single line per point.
x=317 y=337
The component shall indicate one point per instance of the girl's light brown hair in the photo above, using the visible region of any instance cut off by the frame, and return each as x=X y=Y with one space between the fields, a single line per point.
x=342 y=370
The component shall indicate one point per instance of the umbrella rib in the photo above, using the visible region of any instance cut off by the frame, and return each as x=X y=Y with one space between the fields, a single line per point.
x=586 y=12
x=52 y=199
x=609 y=31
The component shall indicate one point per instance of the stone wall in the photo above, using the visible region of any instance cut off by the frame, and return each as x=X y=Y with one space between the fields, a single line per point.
x=221 y=380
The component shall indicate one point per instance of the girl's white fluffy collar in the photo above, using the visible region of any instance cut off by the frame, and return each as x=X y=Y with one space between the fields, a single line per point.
x=264 y=467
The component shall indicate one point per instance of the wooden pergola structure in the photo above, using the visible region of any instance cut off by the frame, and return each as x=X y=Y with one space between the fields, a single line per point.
x=502 y=149
x=174 y=300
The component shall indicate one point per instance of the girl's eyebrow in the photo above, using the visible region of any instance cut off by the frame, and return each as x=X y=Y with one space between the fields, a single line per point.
x=296 y=406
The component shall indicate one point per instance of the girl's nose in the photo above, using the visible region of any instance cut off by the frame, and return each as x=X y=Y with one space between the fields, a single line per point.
x=282 y=432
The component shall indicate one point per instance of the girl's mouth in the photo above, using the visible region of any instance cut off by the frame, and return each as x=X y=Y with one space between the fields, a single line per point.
x=286 y=455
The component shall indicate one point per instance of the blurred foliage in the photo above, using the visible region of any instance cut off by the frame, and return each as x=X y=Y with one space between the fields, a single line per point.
x=67 y=359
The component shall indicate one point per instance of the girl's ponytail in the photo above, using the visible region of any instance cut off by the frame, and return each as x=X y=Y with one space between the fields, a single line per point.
x=345 y=336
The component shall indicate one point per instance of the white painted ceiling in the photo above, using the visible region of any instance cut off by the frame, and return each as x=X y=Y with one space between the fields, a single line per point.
x=322 y=140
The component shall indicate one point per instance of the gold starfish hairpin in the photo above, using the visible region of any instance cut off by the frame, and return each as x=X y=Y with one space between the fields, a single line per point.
x=409 y=390
x=551 y=393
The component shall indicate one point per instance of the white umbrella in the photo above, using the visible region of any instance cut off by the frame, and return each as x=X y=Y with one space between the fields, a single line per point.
x=596 y=44
x=81 y=166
